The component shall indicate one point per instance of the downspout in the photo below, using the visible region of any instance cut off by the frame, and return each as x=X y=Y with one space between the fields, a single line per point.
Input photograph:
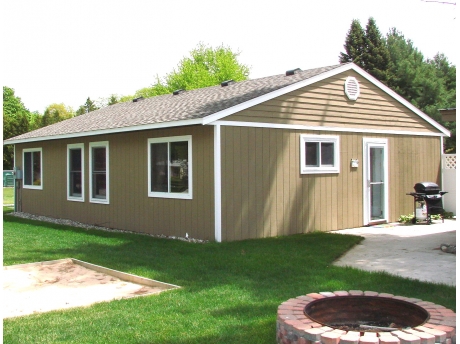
x=217 y=185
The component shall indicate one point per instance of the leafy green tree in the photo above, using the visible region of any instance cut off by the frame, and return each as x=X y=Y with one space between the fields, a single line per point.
x=55 y=113
x=113 y=99
x=376 y=57
x=355 y=42
x=15 y=122
x=206 y=66
x=87 y=107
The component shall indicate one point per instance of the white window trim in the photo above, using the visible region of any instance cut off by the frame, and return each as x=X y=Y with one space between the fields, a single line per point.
x=188 y=195
x=35 y=187
x=92 y=145
x=82 y=148
x=319 y=169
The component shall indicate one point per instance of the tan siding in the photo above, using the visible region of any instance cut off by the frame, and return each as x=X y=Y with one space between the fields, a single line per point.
x=325 y=104
x=130 y=208
x=287 y=202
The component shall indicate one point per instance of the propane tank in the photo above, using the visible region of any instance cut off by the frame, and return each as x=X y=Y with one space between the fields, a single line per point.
x=420 y=211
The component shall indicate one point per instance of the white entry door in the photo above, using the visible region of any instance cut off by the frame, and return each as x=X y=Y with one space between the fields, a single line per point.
x=375 y=173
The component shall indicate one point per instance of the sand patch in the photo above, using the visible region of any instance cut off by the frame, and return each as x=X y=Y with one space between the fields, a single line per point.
x=66 y=283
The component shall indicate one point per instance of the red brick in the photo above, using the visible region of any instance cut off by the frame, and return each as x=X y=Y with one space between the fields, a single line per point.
x=316 y=296
x=370 y=293
x=439 y=335
x=327 y=294
x=330 y=338
x=313 y=334
x=389 y=340
x=341 y=293
x=349 y=339
x=449 y=330
x=356 y=292
x=368 y=340
x=385 y=295
x=406 y=338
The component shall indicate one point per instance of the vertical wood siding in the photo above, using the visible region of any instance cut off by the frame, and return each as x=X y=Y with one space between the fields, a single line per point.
x=265 y=195
x=130 y=208
x=325 y=104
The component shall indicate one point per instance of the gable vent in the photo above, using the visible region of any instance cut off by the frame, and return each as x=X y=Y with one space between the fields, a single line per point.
x=293 y=71
x=179 y=91
x=227 y=82
x=352 y=88
x=135 y=100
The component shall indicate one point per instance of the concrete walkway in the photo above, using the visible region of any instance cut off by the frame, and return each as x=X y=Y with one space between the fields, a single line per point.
x=409 y=251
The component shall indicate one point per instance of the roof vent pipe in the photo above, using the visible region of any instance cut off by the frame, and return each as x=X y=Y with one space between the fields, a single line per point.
x=227 y=82
x=293 y=71
x=179 y=91
x=135 y=100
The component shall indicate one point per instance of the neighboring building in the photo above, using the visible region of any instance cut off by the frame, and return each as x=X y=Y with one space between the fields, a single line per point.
x=321 y=149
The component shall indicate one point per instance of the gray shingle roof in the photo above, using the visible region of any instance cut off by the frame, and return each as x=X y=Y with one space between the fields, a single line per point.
x=194 y=104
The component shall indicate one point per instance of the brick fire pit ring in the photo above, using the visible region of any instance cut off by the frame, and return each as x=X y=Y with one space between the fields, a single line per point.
x=293 y=326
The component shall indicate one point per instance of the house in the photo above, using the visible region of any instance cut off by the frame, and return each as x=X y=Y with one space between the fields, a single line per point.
x=321 y=149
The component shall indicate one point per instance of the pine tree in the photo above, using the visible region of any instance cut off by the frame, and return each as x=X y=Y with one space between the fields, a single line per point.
x=354 y=45
x=376 y=56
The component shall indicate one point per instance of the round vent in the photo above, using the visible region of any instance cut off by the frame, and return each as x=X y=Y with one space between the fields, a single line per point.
x=352 y=88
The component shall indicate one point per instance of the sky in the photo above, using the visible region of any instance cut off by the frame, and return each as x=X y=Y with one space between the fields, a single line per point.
x=56 y=51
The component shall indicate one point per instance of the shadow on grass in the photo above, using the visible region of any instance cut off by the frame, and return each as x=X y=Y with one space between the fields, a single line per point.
x=230 y=292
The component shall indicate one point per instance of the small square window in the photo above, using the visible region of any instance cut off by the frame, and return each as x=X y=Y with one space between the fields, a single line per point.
x=319 y=154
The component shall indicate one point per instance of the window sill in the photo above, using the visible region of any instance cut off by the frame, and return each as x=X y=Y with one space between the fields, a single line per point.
x=170 y=195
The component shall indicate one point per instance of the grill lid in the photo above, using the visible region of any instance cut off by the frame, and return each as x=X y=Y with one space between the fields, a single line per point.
x=426 y=188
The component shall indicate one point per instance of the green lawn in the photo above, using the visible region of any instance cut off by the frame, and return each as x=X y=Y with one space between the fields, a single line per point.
x=8 y=195
x=230 y=292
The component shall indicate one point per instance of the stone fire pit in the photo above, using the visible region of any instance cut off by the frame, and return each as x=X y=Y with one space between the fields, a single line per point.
x=357 y=317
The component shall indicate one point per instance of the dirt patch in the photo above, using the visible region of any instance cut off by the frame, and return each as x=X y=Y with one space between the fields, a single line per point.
x=42 y=287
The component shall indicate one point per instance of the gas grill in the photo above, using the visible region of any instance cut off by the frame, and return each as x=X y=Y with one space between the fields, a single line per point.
x=427 y=194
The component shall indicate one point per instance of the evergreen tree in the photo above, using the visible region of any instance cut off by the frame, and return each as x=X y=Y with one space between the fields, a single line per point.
x=376 y=56
x=354 y=45
x=87 y=107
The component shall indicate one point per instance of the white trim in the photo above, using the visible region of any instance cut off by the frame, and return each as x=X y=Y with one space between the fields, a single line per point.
x=366 y=201
x=110 y=131
x=322 y=128
x=335 y=140
x=217 y=185
x=92 y=199
x=24 y=185
x=346 y=67
x=279 y=92
x=169 y=194
x=82 y=148
x=400 y=99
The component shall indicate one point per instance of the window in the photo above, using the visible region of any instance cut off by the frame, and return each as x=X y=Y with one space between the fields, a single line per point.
x=75 y=175
x=170 y=167
x=32 y=166
x=319 y=154
x=99 y=172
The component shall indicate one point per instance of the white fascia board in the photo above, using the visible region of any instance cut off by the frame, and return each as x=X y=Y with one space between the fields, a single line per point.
x=349 y=66
x=400 y=99
x=317 y=128
x=110 y=131
x=279 y=92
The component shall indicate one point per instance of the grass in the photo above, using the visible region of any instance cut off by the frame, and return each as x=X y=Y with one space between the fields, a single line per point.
x=8 y=195
x=230 y=291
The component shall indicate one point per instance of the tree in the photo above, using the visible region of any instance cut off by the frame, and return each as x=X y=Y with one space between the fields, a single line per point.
x=354 y=45
x=15 y=122
x=55 y=113
x=206 y=66
x=87 y=107
x=376 y=57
